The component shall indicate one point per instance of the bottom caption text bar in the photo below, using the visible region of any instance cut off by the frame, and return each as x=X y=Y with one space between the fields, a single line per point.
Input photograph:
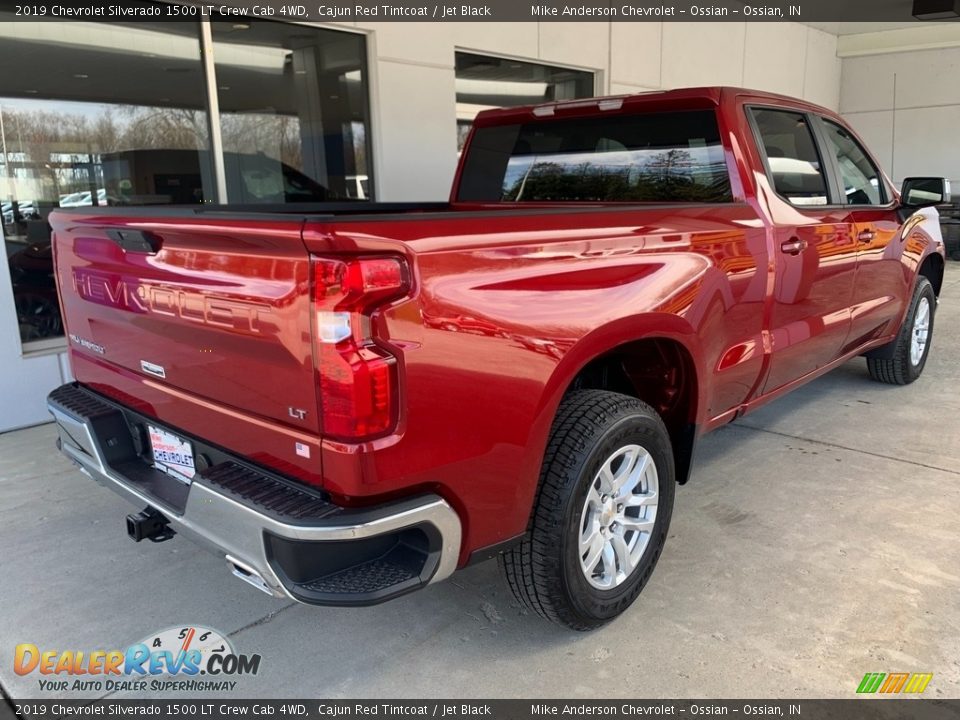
x=500 y=709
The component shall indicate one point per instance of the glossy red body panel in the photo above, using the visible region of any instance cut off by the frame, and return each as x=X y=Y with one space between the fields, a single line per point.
x=223 y=308
x=505 y=313
x=507 y=305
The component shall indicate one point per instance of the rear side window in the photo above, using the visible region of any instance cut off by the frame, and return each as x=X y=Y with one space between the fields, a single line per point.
x=861 y=179
x=796 y=171
x=654 y=157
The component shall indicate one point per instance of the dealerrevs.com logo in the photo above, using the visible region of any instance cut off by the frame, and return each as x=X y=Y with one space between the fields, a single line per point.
x=180 y=659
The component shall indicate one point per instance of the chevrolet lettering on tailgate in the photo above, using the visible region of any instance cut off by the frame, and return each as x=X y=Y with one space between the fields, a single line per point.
x=139 y=297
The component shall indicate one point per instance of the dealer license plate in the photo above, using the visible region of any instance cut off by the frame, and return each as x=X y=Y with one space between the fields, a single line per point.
x=172 y=454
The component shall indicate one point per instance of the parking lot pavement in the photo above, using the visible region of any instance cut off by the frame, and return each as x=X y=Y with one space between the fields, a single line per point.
x=817 y=541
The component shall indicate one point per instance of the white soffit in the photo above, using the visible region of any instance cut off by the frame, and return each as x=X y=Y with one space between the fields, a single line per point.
x=907 y=39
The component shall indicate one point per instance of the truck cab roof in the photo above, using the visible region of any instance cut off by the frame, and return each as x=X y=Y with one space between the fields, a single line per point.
x=694 y=98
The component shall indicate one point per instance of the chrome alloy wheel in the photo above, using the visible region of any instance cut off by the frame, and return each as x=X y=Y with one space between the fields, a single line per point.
x=921 y=331
x=618 y=517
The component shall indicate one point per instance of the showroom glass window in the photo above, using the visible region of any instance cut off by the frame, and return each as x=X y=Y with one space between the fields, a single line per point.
x=861 y=178
x=293 y=112
x=484 y=82
x=92 y=114
x=795 y=167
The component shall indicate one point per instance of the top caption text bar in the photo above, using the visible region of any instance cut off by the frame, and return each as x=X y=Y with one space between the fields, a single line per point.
x=490 y=10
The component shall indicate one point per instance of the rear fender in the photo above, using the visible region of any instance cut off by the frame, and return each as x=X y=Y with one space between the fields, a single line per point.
x=605 y=340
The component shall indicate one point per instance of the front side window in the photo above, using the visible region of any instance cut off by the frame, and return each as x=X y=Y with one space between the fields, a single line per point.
x=796 y=171
x=861 y=179
x=653 y=157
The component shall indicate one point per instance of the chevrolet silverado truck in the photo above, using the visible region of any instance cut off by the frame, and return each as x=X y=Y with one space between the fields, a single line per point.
x=348 y=402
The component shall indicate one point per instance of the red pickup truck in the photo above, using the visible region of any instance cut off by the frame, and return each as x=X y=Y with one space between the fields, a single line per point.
x=349 y=402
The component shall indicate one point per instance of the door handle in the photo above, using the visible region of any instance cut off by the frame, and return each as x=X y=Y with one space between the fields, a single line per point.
x=866 y=236
x=793 y=246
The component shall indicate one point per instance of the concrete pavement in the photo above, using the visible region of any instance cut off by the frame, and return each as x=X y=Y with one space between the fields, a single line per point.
x=817 y=541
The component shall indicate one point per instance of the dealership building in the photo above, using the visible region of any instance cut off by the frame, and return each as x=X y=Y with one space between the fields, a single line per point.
x=258 y=111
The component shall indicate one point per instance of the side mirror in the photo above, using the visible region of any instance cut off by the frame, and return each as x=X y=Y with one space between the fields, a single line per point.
x=925 y=191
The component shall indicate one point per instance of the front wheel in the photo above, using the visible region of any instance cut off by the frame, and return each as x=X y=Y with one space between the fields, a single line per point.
x=902 y=361
x=602 y=511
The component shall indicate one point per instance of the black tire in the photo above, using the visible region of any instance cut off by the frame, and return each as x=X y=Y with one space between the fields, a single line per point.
x=892 y=364
x=544 y=571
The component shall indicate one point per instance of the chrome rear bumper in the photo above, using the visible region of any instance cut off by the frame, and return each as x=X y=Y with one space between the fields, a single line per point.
x=327 y=556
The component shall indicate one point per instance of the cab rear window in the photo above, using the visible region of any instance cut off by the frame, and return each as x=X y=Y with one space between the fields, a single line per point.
x=652 y=157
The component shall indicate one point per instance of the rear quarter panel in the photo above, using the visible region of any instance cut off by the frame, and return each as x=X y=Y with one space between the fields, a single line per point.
x=509 y=306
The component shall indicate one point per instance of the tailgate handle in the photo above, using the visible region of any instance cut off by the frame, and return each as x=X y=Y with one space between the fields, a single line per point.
x=138 y=241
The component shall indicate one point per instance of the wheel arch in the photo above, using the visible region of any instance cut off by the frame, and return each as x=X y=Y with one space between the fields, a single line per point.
x=659 y=366
x=932 y=267
x=660 y=372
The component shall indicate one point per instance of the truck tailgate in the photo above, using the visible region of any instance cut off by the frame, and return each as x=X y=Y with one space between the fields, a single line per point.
x=216 y=308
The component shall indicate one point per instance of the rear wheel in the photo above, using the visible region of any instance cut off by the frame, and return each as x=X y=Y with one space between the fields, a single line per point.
x=602 y=511
x=901 y=362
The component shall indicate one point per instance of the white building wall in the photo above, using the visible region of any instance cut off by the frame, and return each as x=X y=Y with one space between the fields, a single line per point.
x=905 y=101
x=413 y=76
x=24 y=381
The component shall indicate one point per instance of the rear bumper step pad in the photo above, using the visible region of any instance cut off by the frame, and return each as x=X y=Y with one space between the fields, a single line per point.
x=283 y=538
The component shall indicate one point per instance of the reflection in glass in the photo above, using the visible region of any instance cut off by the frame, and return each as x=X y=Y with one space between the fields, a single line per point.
x=87 y=112
x=861 y=178
x=484 y=82
x=792 y=156
x=655 y=157
x=293 y=104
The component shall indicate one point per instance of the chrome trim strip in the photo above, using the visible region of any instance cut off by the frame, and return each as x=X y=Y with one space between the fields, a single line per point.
x=248 y=575
x=236 y=530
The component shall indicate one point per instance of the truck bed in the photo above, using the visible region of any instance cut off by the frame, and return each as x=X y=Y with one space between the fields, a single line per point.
x=359 y=211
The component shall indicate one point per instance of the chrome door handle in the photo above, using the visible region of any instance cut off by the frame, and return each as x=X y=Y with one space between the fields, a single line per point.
x=793 y=247
x=866 y=236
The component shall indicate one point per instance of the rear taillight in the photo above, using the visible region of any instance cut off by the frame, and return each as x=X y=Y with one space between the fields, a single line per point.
x=358 y=378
